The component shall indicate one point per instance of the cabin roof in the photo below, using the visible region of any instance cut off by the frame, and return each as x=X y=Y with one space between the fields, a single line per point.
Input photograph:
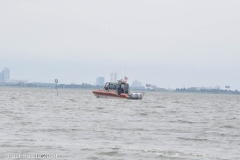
x=116 y=82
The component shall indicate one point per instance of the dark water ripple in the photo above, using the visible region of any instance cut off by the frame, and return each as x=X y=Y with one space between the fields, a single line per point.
x=76 y=125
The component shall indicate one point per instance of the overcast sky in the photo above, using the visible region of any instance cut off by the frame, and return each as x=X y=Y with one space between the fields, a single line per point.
x=171 y=43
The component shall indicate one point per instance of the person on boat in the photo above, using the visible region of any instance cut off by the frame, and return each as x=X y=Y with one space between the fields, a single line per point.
x=122 y=88
x=118 y=88
x=106 y=87
x=126 y=88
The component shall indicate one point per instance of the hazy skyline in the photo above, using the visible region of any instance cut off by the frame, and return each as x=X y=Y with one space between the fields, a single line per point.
x=177 y=43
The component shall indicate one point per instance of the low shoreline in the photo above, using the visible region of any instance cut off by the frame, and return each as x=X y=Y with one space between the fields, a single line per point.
x=76 y=87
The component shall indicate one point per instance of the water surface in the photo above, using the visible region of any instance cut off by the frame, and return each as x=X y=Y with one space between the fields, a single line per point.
x=77 y=125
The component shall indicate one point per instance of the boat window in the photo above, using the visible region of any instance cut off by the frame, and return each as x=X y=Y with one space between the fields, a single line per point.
x=112 y=86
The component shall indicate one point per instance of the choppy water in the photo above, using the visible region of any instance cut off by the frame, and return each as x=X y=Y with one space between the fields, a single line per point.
x=77 y=125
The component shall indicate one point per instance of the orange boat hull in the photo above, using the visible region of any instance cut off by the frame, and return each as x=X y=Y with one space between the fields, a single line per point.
x=106 y=94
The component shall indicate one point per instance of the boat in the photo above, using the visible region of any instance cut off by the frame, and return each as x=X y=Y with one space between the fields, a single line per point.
x=118 y=90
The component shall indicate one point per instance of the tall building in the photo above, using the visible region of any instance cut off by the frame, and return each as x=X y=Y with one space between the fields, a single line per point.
x=136 y=84
x=100 y=81
x=1 y=80
x=113 y=77
x=5 y=75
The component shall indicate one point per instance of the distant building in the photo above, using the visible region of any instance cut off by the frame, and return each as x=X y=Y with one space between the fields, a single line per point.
x=113 y=77
x=13 y=81
x=151 y=87
x=148 y=85
x=1 y=79
x=86 y=84
x=217 y=87
x=5 y=75
x=203 y=88
x=100 y=81
x=154 y=86
x=136 y=84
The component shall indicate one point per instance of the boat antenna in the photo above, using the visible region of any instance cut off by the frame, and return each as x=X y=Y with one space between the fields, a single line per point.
x=125 y=71
x=56 y=81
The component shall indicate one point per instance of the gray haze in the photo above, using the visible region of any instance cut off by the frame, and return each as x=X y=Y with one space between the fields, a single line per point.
x=176 y=43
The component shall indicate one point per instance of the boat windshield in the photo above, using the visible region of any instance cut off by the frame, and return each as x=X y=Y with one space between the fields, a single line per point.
x=113 y=86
